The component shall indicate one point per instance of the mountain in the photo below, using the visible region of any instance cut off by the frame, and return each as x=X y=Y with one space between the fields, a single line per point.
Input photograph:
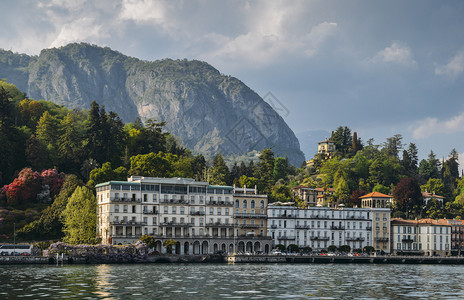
x=208 y=111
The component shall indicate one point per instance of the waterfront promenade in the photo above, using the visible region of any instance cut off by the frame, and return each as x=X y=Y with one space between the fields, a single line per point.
x=238 y=259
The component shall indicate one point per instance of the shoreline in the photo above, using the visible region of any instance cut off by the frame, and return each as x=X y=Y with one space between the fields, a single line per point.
x=240 y=259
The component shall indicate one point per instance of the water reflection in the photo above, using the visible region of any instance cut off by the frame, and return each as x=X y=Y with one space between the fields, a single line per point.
x=309 y=281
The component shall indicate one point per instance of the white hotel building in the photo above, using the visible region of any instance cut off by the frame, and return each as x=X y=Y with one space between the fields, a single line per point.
x=199 y=217
x=320 y=227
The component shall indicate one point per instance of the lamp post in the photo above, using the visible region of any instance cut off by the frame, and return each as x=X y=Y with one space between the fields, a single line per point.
x=14 y=238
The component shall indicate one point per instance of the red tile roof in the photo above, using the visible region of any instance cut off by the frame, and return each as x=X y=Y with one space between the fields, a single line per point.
x=375 y=195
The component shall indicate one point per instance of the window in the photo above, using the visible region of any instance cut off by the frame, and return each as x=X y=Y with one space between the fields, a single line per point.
x=174 y=210
x=133 y=208
x=165 y=198
x=116 y=195
x=227 y=211
x=182 y=220
x=237 y=204
x=245 y=203
x=211 y=210
x=219 y=211
x=154 y=197
x=262 y=205
x=116 y=219
x=201 y=231
x=154 y=220
x=116 y=208
x=182 y=210
x=252 y=204
x=201 y=199
x=145 y=220
x=201 y=222
x=125 y=208
x=192 y=199
x=145 y=197
x=165 y=209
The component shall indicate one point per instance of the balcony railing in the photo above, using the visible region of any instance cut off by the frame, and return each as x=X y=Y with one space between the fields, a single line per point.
x=249 y=226
x=286 y=216
x=250 y=216
x=220 y=203
x=286 y=237
x=218 y=224
x=197 y=213
x=382 y=239
x=302 y=226
x=355 y=239
x=126 y=200
x=176 y=224
x=356 y=217
x=407 y=240
x=175 y=201
x=337 y=227
x=274 y=226
x=319 y=238
x=369 y=228
x=150 y=212
x=128 y=223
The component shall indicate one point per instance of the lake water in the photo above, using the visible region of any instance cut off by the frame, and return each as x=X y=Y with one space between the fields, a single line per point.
x=240 y=281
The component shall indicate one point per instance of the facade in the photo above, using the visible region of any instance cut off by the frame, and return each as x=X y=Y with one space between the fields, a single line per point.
x=457 y=235
x=326 y=148
x=379 y=204
x=319 y=227
x=429 y=196
x=307 y=194
x=421 y=237
x=199 y=217
x=250 y=217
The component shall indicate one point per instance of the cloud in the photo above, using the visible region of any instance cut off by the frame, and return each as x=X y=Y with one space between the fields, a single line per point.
x=452 y=69
x=158 y=13
x=431 y=126
x=397 y=53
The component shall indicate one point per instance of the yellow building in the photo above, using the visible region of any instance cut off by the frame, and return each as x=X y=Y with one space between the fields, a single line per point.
x=326 y=148
x=380 y=209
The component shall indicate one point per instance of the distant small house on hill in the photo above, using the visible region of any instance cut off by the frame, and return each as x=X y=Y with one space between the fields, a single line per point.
x=429 y=196
x=326 y=149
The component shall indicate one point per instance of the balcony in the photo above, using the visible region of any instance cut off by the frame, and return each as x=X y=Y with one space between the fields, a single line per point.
x=285 y=216
x=319 y=238
x=220 y=203
x=175 y=201
x=369 y=228
x=382 y=239
x=354 y=239
x=127 y=223
x=126 y=200
x=407 y=240
x=255 y=226
x=257 y=216
x=150 y=212
x=218 y=224
x=176 y=224
x=337 y=227
x=286 y=237
x=274 y=226
x=356 y=217
x=197 y=213
x=302 y=226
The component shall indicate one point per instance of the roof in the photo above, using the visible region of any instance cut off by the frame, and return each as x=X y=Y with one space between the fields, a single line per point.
x=430 y=195
x=398 y=221
x=326 y=141
x=375 y=195
x=325 y=190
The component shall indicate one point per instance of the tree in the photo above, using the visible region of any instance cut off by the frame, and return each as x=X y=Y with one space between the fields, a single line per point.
x=219 y=172
x=292 y=248
x=342 y=139
x=265 y=170
x=70 y=144
x=80 y=217
x=332 y=248
x=36 y=153
x=169 y=244
x=148 y=240
x=429 y=168
x=281 y=247
x=153 y=165
x=249 y=182
x=280 y=168
x=393 y=145
x=345 y=248
x=408 y=196
x=434 y=185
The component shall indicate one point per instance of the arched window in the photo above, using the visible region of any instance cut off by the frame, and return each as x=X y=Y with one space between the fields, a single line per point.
x=262 y=204
x=245 y=203
x=237 y=203
x=252 y=204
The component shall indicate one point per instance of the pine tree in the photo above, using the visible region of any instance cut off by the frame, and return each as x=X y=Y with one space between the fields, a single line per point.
x=265 y=170
x=219 y=172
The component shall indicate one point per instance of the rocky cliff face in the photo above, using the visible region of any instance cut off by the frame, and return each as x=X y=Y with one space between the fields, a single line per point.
x=210 y=112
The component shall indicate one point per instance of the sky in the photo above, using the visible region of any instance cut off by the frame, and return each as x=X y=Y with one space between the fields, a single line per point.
x=379 y=67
